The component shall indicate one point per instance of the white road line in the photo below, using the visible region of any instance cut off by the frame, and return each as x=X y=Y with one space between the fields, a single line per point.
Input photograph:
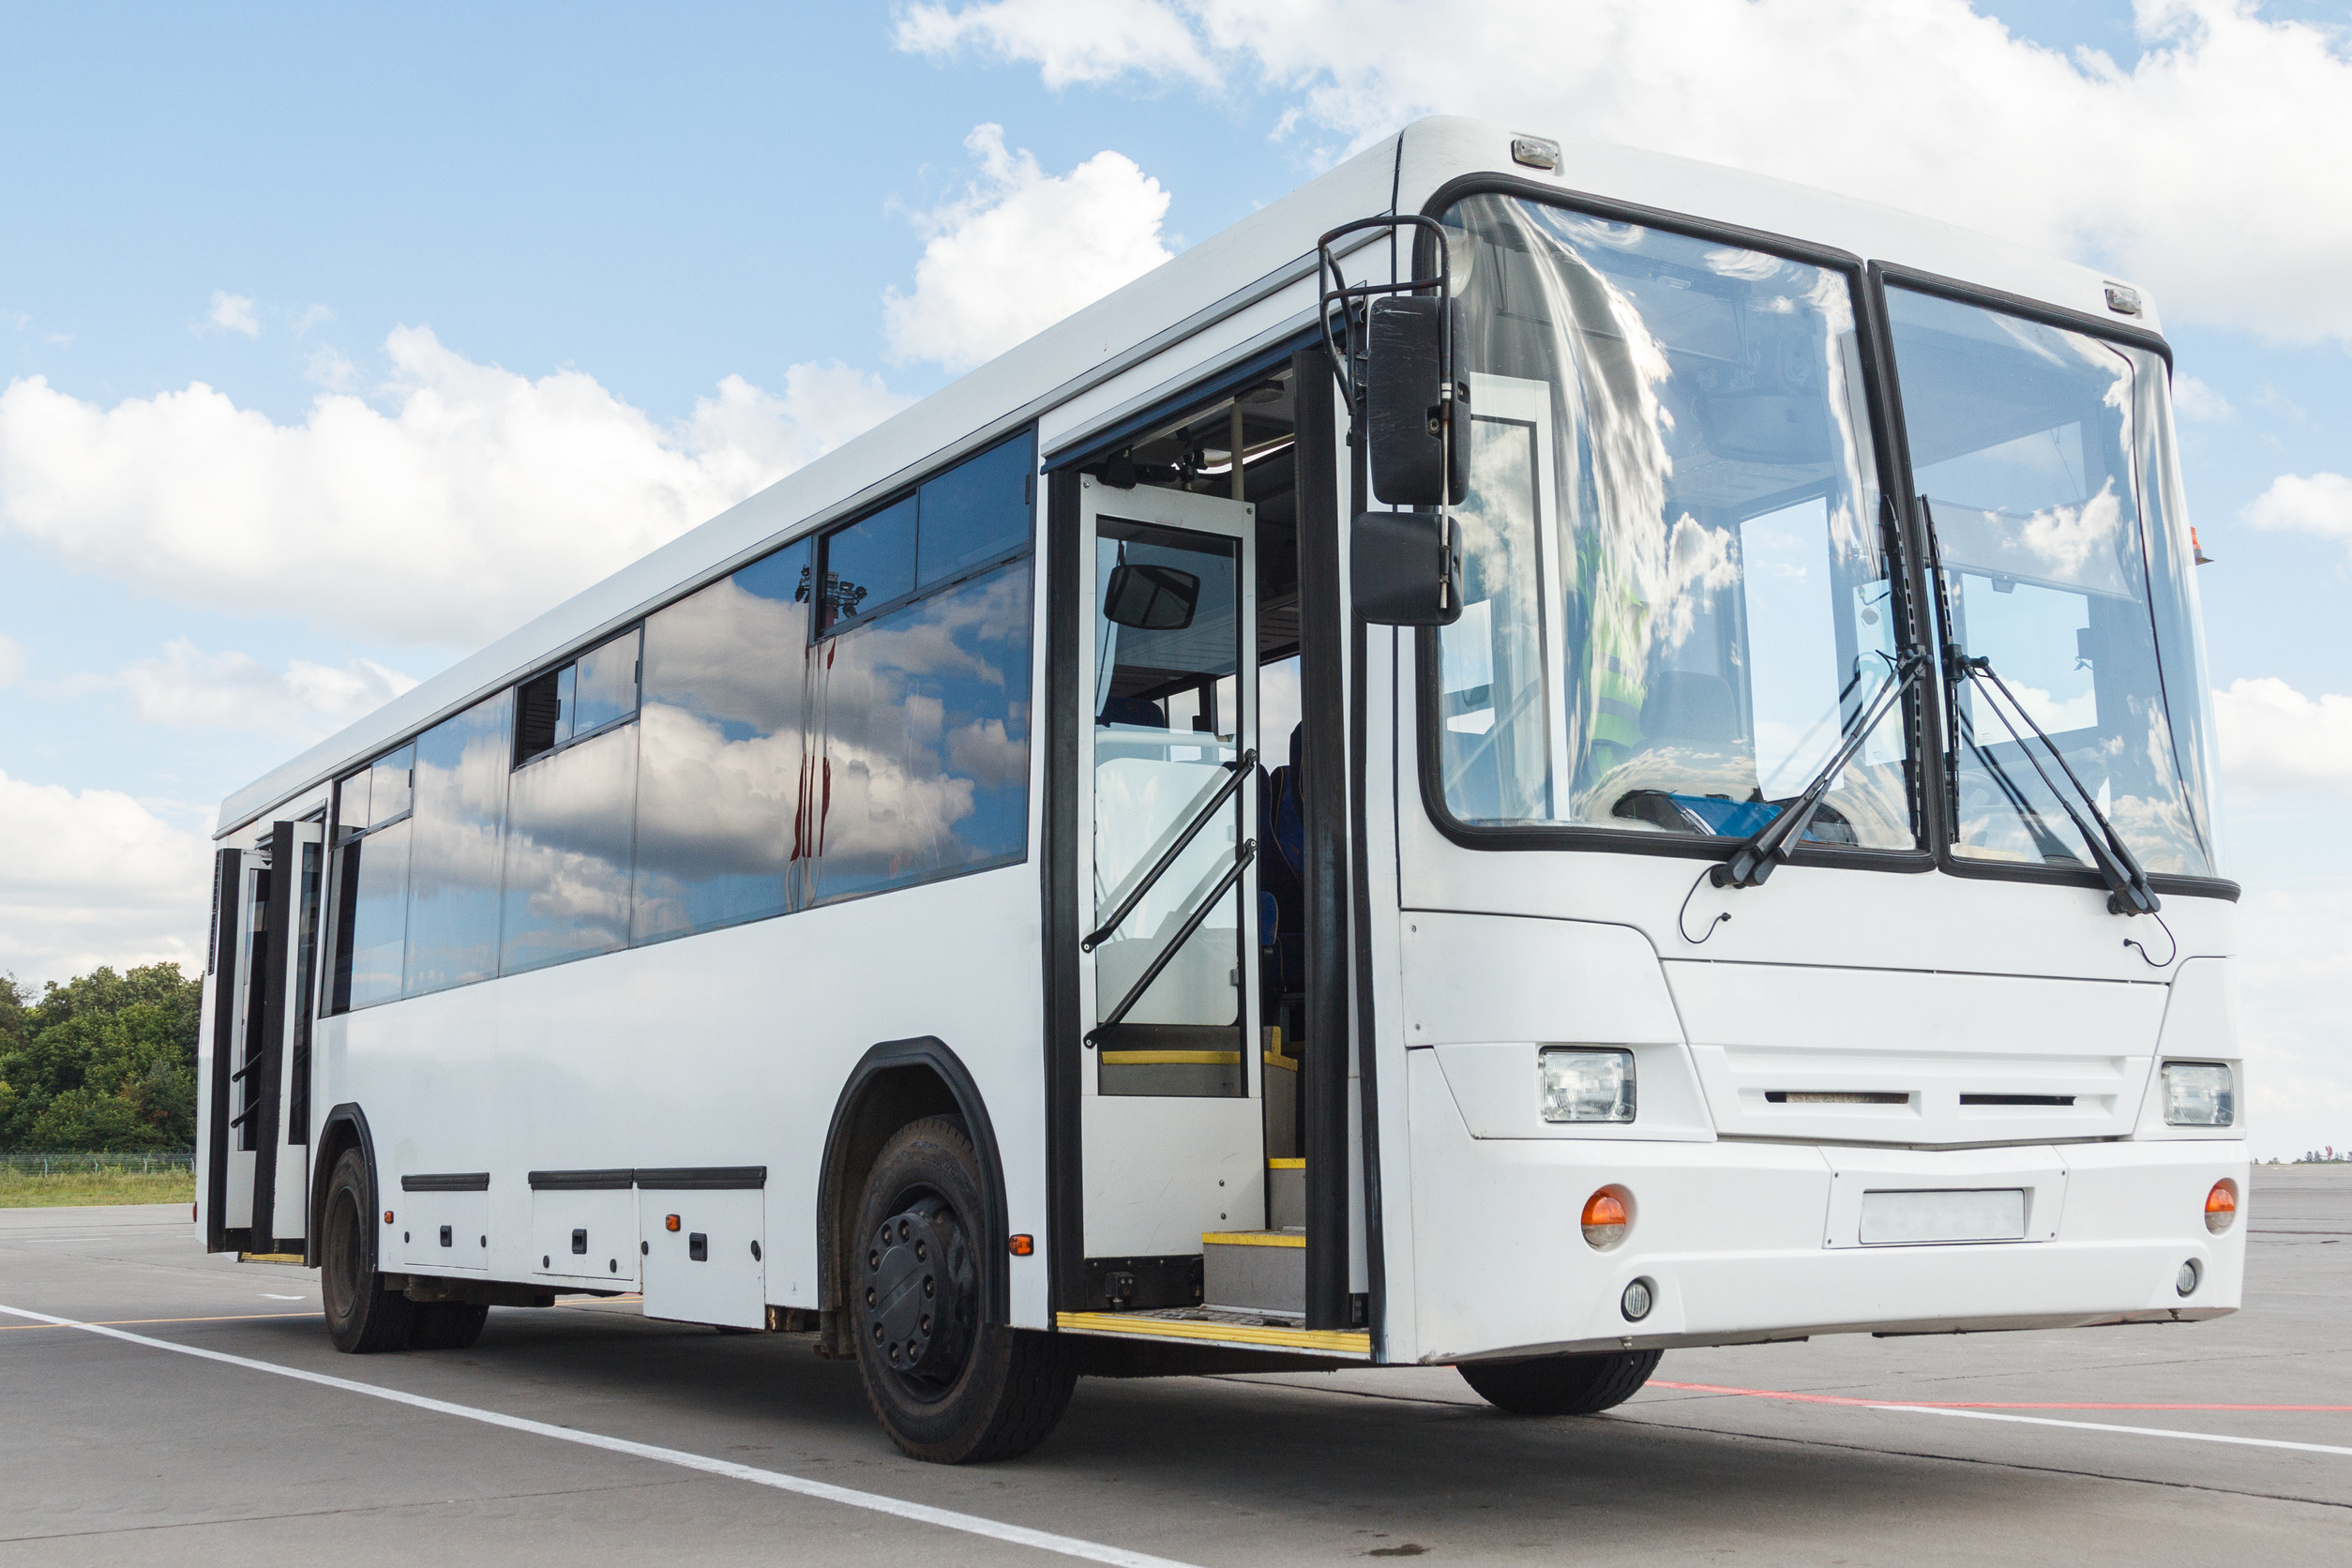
x=2113 y=1426
x=946 y=1518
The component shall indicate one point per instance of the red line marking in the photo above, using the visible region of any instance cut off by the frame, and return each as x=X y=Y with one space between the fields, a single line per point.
x=1978 y=1403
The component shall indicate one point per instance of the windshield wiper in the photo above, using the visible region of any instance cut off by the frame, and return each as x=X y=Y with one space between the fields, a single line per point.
x=2128 y=889
x=1775 y=841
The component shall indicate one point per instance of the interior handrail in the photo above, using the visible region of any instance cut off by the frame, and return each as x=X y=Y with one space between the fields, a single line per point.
x=1240 y=767
x=1241 y=857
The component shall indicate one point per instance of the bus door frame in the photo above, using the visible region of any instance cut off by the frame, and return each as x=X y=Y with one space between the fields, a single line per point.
x=1325 y=650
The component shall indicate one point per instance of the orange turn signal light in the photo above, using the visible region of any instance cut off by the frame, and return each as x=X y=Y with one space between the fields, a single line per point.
x=670 y=1224
x=2221 y=1206
x=387 y=1216
x=1605 y=1218
x=1023 y=1246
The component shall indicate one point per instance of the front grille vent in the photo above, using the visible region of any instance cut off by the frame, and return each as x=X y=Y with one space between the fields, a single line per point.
x=1833 y=1097
x=2016 y=1099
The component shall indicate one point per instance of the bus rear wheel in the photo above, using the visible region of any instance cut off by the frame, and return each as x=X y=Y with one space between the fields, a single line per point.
x=1561 y=1385
x=362 y=1317
x=947 y=1386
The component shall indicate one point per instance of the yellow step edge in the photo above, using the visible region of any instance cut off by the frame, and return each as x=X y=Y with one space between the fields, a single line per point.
x=1286 y=1165
x=1344 y=1342
x=269 y=1257
x=1172 y=1058
x=1288 y=1064
x=1253 y=1238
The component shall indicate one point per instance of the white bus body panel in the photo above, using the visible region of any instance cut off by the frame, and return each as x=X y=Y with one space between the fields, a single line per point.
x=726 y=1048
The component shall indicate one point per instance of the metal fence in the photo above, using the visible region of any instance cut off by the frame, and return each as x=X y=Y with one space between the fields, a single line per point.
x=135 y=1161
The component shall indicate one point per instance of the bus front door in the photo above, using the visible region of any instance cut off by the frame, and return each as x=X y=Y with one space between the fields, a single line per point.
x=1173 y=1142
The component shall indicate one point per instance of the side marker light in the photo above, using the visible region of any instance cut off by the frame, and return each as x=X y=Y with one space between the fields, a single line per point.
x=1022 y=1245
x=2221 y=1206
x=1605 y=1218
x=671 y=1223
x=387 y=1216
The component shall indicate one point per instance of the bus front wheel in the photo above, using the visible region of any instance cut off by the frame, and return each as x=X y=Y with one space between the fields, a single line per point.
x=1560 y=1385
x=362 y=1317
x=947 y=1386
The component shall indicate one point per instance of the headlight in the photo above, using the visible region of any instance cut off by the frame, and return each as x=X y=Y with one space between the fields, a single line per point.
x=2198 y=1095
x=1584 y=1085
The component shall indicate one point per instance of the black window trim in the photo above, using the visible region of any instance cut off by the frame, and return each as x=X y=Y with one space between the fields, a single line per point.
x=1902 y=569
x=1886 y=275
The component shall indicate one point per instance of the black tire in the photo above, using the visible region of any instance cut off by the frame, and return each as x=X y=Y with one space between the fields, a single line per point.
x=1561 y=1385
x=446 y=1325
x=362 y=1317
x=948 y=1387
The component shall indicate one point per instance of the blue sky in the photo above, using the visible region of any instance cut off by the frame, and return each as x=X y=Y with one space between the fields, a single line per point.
x=256 y=199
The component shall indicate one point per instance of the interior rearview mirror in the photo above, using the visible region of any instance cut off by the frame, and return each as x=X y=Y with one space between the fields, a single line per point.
x=1410 y=422
x=1151 y=597
x=1405 y=569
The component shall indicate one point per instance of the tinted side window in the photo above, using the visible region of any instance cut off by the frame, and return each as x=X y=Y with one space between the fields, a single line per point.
x=975 y=511
x=568 y=817
x=373 y=919
x=721 y=778
x=388 y=783
x=606 y=686
x=869 y=562
x=460 y=808
x=925 y=718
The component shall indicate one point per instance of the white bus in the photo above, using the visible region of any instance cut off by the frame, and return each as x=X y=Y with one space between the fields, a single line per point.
x=1532 y=756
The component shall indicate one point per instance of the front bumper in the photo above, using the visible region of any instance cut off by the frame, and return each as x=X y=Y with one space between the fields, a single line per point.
x=1747 y=1242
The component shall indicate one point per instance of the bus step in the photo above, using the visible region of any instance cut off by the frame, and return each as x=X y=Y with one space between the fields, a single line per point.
x=1285 y=1194
x=1255 y=1271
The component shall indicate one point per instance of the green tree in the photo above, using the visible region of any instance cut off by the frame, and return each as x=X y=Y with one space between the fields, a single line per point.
x=105 y=1061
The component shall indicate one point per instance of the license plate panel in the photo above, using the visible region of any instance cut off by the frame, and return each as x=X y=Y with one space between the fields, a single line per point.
x=1915 y=1217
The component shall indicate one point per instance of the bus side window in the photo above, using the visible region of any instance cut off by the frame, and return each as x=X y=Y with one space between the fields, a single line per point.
x=371 y=924
x=460 y=814
x=722 y=785
x=926 y=747
x=977 y=511
x=923 y=751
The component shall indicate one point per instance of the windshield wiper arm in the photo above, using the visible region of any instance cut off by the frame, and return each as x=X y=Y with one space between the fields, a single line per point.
x=2128 y=889
x=1775 y=841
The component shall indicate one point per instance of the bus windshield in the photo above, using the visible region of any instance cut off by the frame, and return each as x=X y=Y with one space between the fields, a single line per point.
x=2043 y=458
x=1676 y=597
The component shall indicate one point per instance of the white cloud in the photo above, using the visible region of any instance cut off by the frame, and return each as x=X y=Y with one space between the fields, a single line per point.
x=2274 y=738
x=462 y=502
x=1022 y=249
x=235 y=314
x=2321 y=504
x=188 y=689
x=2196 y=402
x=2192 y=171
x=95 y=878
x=1070 y=40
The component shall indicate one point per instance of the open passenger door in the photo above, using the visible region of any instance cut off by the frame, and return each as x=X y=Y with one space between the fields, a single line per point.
x=257 y=1135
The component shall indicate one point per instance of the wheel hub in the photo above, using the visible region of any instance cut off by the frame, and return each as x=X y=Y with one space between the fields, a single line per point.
x=919 y=1290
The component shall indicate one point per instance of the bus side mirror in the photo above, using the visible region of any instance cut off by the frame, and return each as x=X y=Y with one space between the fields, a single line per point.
x=1410 y=420
x=1405 y=569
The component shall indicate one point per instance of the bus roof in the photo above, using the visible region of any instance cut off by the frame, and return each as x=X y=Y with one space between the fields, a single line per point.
x=1269 y=250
